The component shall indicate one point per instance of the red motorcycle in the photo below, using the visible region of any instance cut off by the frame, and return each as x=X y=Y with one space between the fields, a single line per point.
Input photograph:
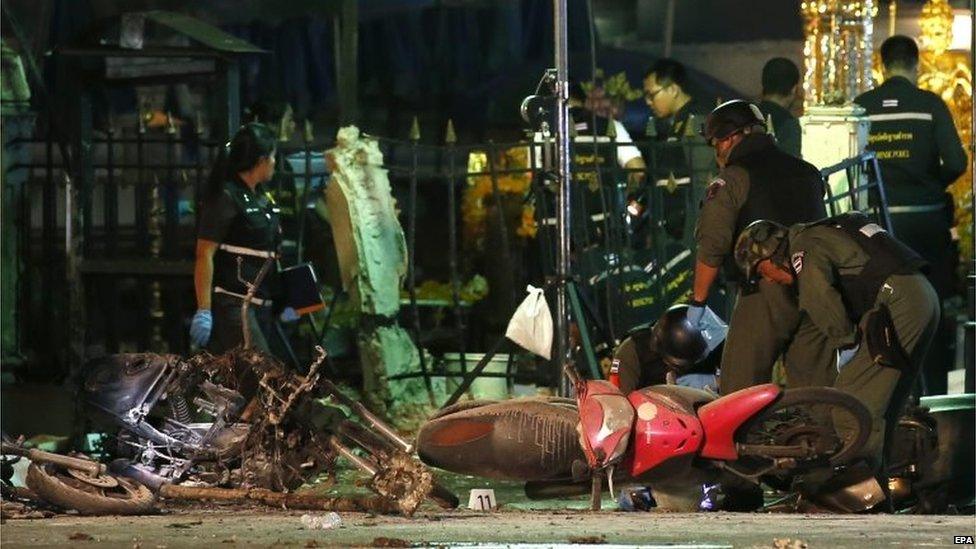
x=662 y=435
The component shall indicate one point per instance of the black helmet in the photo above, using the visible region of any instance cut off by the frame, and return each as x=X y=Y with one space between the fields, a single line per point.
x=678 y=342
x=761 y=240
x=731 y=117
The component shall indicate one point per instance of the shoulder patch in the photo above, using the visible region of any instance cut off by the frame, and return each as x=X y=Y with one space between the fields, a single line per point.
x=714 y=187
x=889 y=103
x=797 y=260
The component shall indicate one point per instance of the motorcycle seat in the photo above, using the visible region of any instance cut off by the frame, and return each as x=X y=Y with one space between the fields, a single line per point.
x=685 y=398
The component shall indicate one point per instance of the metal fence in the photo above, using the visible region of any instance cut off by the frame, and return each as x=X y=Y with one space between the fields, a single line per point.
x=131 y=268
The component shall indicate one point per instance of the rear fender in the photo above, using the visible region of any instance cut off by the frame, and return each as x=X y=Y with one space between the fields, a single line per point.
x=721 y=418
x=518 y=439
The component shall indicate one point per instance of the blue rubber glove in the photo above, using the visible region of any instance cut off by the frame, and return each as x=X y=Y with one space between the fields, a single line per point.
x=696 y=310
x=201 y=327
x=710 y=495
x=289 y=315
x=845 y=354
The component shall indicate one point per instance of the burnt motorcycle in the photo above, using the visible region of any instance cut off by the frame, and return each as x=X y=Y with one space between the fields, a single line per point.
x=243 y=419
x=661 y=435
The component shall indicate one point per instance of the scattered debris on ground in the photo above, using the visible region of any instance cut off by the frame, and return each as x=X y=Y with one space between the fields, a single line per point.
x=390 y=542
x=787 y=543
x=588 y=540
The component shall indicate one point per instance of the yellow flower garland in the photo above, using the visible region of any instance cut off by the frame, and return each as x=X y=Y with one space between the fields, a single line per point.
x=473 y=211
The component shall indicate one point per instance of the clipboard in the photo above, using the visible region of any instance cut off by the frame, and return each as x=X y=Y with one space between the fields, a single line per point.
x=301 y=289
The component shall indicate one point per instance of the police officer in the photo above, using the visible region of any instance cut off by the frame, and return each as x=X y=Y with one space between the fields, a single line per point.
x=666 y=93
x=780 y=95
x=757 y=181
x=845 y=270
x=280 y=118
x=920 y=155
x=238 y=232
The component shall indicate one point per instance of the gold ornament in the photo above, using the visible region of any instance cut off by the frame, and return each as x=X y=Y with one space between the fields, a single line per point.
x=948 y=74
x=837 y=50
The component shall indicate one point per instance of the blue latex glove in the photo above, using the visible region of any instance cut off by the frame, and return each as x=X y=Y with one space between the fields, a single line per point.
x=845 y=354
x=710 y=495
x=695 y=313
x=289 y=315
x=201 y=327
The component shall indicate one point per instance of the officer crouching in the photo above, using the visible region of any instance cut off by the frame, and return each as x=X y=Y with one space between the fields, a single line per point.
x=864 y=291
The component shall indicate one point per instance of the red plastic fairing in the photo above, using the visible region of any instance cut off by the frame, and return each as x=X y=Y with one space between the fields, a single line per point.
x=661 y=432
x=606 y=419
x=721 y=418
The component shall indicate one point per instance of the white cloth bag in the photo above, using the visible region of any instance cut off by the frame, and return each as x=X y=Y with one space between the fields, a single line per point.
x=531 y=325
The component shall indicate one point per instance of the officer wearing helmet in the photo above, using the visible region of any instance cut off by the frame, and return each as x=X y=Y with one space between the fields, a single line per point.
x=649 y=353
x=864 y=292
x=757 y=181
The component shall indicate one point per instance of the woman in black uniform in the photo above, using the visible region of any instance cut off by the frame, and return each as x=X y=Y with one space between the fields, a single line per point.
x=238 y=231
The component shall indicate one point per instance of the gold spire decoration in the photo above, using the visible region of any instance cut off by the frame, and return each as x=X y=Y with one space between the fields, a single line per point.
x=948 y=74
x=415 y=130
x=449 y=136
x=837 y=49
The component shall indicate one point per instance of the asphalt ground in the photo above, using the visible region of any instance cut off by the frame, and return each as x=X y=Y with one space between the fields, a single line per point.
x=220 y=526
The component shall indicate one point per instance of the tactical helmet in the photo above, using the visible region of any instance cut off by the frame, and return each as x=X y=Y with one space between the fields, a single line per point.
x=761 y=240
x=679 y=343
x=731 y=117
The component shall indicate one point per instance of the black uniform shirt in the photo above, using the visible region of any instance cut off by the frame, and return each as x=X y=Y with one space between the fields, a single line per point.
x=916 y=142
x=682 y=123
x=786 y=127
x=244 y=218
x=759 y=182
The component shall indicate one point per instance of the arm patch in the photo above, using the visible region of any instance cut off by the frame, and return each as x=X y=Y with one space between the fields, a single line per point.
x=797 y=260
x=713 y=188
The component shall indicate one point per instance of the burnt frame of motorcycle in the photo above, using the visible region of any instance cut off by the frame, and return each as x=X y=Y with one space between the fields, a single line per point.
x=277 y=439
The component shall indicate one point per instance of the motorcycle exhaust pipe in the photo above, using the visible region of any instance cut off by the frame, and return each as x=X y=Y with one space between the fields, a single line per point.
x=345 y=452
x=374 y=422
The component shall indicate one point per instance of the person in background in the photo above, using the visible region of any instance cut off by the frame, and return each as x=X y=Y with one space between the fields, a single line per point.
x=283 y=188
x=780 y=95
x=666 y=93
x=920 y=154
x=237 y=233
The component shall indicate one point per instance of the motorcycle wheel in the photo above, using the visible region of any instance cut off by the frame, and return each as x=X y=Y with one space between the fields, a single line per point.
x=55 y=485
x=803 y=420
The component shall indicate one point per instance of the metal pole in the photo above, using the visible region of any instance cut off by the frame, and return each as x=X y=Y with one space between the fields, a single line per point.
x=668 y=28
x=560 y=14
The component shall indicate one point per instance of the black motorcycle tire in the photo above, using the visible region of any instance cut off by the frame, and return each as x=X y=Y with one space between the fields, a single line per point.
x=819 y=396
x=129 y=498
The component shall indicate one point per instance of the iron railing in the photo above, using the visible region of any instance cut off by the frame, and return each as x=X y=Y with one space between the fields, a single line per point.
x=136 y=251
